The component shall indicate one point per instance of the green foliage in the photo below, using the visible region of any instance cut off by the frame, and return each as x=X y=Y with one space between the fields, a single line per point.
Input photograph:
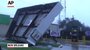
x=69 y=24
x=4 y=19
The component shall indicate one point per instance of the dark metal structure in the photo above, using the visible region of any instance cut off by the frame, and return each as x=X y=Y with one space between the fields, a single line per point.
x=30 y=23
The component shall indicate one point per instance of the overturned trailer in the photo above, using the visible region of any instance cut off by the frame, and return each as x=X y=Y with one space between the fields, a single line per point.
x=30 y=23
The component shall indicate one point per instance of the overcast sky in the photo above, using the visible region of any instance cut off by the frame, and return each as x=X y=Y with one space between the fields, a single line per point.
x=79 y=8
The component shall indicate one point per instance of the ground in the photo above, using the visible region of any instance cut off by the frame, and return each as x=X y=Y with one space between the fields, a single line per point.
x=48 y=46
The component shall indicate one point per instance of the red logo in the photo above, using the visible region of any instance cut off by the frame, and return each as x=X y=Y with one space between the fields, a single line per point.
x=10 y=45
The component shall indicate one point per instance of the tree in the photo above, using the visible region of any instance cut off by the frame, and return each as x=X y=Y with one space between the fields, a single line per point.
x=69 y=25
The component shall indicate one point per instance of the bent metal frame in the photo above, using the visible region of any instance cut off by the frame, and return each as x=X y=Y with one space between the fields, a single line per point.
x=30 y=23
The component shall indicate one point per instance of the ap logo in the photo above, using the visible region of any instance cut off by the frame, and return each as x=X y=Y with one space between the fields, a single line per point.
x=10 y=3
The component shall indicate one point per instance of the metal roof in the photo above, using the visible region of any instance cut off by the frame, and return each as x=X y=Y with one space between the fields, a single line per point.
x=30 y=23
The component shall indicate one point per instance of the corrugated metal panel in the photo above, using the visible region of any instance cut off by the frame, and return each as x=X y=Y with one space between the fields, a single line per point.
x=3 y=30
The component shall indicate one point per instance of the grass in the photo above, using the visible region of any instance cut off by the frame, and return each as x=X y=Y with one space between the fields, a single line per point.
x=46 y=44
x=3 y=44
x=30 y=48
x=7 y=41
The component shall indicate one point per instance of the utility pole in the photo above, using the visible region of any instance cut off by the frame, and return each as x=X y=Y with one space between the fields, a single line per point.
x=63 y=2
x=65 y=7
